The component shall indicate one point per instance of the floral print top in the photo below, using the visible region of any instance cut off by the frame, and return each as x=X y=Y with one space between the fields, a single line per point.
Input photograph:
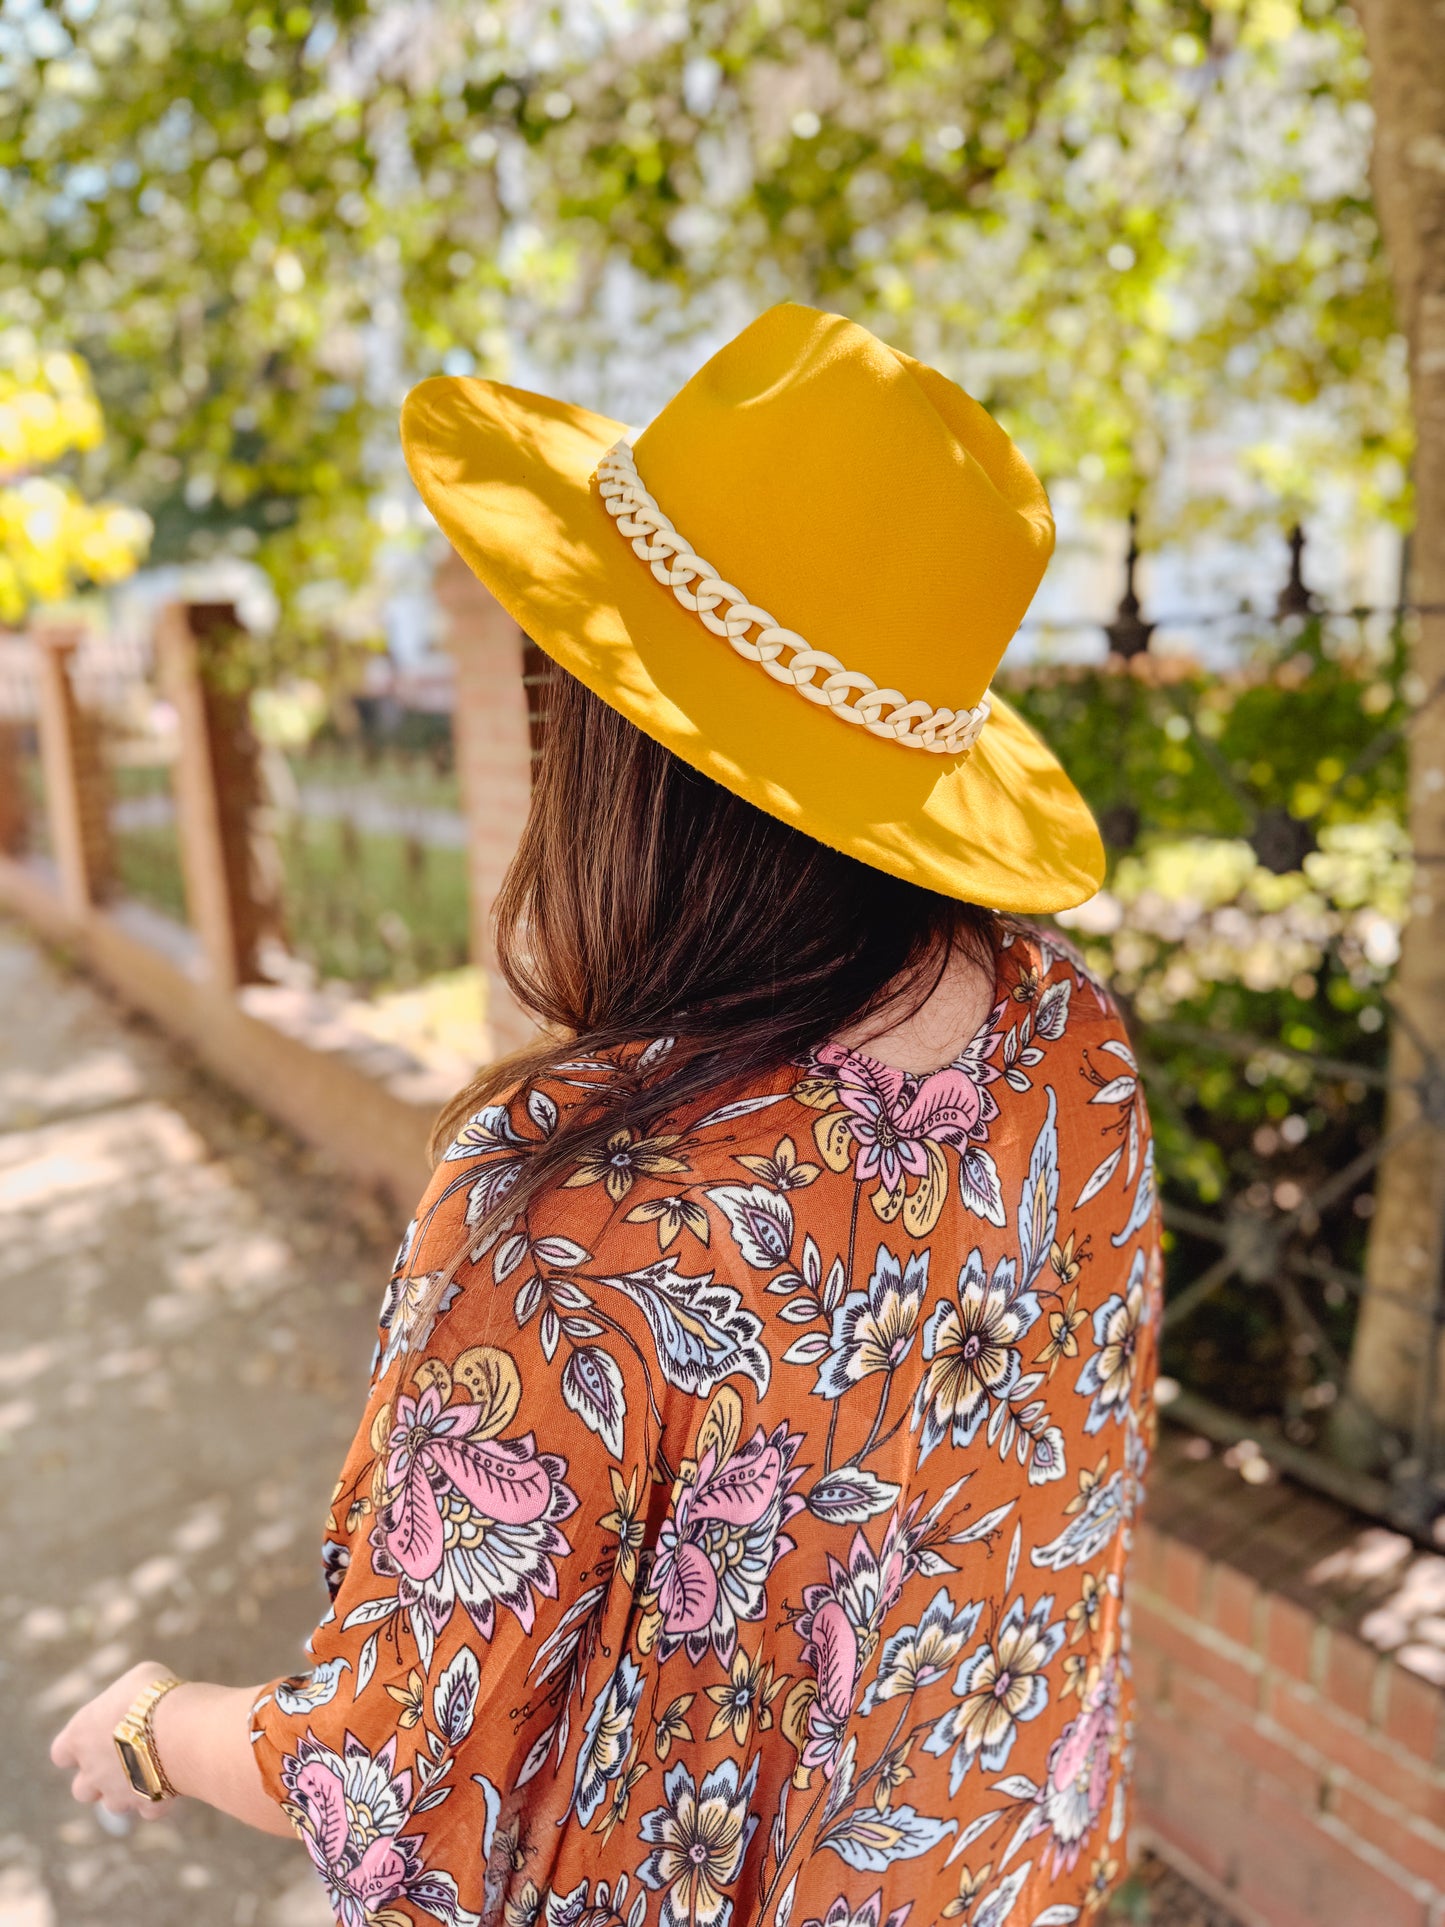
x=741 y=1537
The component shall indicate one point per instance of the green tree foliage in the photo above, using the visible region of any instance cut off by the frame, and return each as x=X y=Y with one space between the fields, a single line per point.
x=1114 y=220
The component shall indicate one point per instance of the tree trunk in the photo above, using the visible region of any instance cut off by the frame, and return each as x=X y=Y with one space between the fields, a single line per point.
x=1394 y=1369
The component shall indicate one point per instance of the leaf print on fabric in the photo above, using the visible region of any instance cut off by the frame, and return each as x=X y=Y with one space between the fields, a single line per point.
x=698 y=1839
x=979 y=1186
x=316 y=1689
x=1142 y=1209
x=761 y=1222
x=872 y=1841
x=592 y=1386
x=1096 y=1512
x=851 y=1495
x=454 y=1699
x=1039 y=1204
x=1107 y=1379
x=702 y=1332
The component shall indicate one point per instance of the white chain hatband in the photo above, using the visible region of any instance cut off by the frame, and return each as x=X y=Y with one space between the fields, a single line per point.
x=728 y=612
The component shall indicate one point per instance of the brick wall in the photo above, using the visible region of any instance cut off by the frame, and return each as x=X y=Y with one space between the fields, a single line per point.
x=1287 y=1763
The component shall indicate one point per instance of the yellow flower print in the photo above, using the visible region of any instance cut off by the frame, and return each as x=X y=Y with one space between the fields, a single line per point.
x=412 y=1697
x=622 y=1160
x=970 y=1886
x=673 y=1725
x=1083 y=1615
x=625 y=1519
x=672 y=1215
x=748 y=1695
x=783 y=1170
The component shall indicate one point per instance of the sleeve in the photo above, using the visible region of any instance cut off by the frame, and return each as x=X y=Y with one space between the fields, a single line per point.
x=481 y=1549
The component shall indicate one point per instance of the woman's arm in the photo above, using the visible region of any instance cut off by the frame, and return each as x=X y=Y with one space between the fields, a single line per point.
x=202 y=1735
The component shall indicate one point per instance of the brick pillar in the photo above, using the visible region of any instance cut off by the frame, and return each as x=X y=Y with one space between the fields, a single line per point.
x=77 y=799
x=494 y=764
x=14 y=814
x=230 y=888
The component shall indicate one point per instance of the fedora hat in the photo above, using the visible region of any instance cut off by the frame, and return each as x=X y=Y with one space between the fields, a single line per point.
x=801 y=578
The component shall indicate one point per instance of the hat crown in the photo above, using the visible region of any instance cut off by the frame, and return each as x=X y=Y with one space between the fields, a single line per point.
x=863 y=499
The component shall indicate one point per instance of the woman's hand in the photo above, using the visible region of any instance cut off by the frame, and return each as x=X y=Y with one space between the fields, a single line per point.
x=86 y=1744
x=201 y=1735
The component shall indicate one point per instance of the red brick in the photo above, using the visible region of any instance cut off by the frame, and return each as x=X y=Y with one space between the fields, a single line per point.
x=1151 y=1671
x=1350 y=1672
x=1184 y=1574
x=1289 y=1638
x=1417 y=1849
x=1235 y=1605
x=1391 y=1774
x=1218 y=1720
x=1412 y=1712
x=1191 y=1658
x=1189 y=1795
x=1292 y=1868
x=1146 y=1564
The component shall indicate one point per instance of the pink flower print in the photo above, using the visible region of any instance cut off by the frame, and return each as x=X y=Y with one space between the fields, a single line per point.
x=833 y=1650
x=428 y=1454
x=723 y=1539
x=1077 y=1780
x=892 y=1115
x=843 y=1913
x=467 y=1521
x=736 y=1494
x=349 y=1808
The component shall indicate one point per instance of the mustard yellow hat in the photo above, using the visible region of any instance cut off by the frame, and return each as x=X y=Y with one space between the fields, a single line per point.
x=800 y=578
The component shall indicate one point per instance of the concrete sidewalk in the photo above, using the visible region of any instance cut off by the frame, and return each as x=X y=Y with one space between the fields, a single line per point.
x=188 y=1305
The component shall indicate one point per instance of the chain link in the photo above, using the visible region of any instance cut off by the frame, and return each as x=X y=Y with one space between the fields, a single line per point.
x=785 y=655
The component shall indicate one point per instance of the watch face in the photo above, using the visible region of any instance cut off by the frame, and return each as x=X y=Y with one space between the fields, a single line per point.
x=134 y=1770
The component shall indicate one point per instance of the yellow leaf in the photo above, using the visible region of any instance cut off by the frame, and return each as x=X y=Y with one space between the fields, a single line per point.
x=381 y=1429
x=722 y=1427
x=834 y=1138
x=493 y=1382
x=818 y=1093
x=887 y=1204
x=921 y=1211
x=795 y=1712
x=433 y=1371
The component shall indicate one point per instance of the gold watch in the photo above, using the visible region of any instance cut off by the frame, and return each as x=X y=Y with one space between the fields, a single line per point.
x=135 y=1743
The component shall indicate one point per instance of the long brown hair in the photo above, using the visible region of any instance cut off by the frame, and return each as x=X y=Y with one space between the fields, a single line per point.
x=647 y=901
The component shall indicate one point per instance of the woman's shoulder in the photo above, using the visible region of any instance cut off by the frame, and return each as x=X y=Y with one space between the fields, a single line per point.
x=1042 y=971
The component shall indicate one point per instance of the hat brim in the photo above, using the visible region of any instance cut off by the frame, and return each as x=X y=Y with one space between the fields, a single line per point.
x=508 y=477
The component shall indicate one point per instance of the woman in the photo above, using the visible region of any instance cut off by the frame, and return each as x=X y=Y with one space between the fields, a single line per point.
x=737 y=1527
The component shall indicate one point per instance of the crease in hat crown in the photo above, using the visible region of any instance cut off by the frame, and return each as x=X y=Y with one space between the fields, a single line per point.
x=867 y=501
x=727 y=612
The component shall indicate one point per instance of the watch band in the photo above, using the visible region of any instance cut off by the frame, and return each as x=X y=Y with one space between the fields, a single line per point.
x=135 y=1742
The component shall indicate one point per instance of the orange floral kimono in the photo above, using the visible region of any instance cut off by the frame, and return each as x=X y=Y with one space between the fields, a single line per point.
x=742 y=1536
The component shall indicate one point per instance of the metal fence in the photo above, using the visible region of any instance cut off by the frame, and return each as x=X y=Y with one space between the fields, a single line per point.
x=1260 y=1003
